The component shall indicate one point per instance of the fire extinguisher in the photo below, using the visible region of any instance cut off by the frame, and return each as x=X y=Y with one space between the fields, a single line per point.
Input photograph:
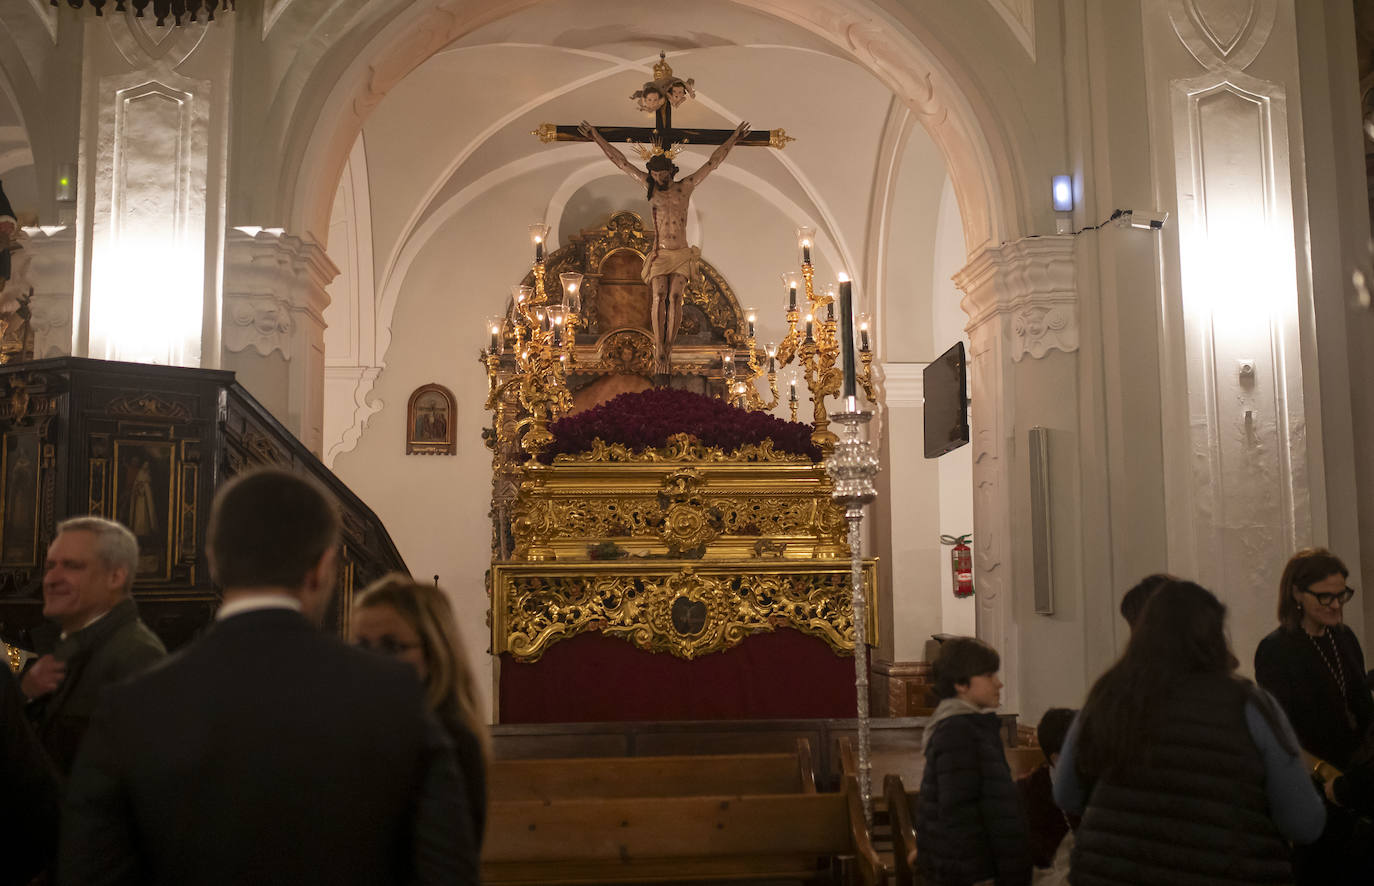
x=960 y=563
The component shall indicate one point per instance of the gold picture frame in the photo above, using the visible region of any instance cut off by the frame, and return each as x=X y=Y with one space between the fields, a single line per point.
x=431 y=414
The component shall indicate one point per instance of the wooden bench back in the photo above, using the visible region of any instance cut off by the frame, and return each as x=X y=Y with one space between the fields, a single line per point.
x=681 y=776
x=901 y=813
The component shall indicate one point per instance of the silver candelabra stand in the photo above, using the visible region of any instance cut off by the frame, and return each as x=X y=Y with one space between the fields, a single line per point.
x=852 y=467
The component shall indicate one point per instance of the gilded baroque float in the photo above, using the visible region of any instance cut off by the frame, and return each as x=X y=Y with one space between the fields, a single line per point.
x=685 y=547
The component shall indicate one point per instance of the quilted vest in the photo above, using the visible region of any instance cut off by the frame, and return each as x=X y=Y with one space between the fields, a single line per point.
x=1195 y=810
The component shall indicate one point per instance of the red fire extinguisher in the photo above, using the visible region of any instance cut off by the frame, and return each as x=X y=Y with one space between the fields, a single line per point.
x=961 y=563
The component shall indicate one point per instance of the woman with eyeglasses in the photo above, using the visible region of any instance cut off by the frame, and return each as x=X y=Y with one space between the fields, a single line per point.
x=1314 y=666
x=414 y=623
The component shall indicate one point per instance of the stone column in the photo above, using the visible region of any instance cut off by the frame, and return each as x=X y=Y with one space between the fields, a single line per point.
x=1021 y=301
x=52 y=272
x=274 y=301
x=151 y=188
x=1244 y=426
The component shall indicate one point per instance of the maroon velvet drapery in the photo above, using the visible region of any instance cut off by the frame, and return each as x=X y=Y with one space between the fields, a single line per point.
x=595 y=678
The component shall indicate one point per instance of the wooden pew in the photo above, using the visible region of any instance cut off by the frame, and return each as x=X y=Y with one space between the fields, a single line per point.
x=663 y=819
x=901 y=813
x=680 y=776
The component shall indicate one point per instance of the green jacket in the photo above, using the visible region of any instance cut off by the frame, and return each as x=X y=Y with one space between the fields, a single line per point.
x=117 y=646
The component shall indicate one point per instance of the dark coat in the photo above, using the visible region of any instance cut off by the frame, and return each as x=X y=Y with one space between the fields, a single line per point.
x=267 y=752
x=117 y=646
x=1047 y=824
x=1194 y=812
x=1288 y=664
x=28 y=838
x=969 y=822
x=472 y=763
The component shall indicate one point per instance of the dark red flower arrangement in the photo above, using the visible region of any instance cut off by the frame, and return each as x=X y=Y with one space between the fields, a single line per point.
x=646 y=420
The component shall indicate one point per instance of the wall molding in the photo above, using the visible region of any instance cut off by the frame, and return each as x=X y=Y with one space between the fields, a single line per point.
x=1030 y=283
x=904 y=385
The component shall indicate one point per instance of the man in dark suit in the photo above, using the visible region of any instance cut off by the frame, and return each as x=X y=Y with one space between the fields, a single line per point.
x=28 y=839
x=90 y=571
x=268 y=752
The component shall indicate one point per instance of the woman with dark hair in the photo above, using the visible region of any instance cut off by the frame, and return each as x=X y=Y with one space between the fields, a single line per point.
x=414 y=624
x=970 y=828
x=1183 y=771
x=1314 y=666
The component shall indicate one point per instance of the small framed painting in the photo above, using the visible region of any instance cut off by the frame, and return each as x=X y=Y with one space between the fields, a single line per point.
x=430 y=418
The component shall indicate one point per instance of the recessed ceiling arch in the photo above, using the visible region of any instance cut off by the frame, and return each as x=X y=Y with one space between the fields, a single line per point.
x=615 y=65
x=982 y=175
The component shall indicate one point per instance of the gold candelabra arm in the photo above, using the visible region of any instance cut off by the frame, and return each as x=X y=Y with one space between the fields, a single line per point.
x=493 y=363
x=865 y=378
x=791 y=343
x=772 y=401
x=539 y=293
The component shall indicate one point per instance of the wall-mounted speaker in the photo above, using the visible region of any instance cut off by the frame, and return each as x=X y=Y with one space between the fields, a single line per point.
x=1041 y=537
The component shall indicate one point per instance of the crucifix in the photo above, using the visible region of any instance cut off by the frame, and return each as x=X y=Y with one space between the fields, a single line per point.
x=671 y=264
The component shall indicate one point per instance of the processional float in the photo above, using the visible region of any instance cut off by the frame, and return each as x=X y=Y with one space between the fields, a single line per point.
x=681 y=519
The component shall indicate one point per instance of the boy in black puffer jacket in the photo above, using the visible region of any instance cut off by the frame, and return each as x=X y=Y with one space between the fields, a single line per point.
x=970 y=828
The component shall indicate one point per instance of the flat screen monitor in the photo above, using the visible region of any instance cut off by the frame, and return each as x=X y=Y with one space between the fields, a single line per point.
x=945 y=386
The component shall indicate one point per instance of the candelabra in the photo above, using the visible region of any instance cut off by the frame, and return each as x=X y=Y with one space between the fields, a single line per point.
x=812 y=347
x=852 y=466
x=530 y=353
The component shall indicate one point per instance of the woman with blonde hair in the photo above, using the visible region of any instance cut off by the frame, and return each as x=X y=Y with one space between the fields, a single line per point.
x=414 y=623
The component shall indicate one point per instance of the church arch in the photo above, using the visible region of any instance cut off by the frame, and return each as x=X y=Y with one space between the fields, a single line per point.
x=982 y=170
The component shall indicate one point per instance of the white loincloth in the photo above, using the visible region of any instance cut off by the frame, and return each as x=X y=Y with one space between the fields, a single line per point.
x=685 y=262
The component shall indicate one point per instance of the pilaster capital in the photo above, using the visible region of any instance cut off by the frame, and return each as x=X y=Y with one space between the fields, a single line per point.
x=1031 y=286
x=274 y=287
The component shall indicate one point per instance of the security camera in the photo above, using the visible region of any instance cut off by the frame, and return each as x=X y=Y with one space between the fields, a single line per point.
x=1149 y=219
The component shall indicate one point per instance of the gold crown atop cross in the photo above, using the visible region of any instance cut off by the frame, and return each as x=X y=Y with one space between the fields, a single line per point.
x=650 y=151
x=662 y=70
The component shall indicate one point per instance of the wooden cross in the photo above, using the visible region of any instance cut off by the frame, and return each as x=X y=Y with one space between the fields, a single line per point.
x=662 y=136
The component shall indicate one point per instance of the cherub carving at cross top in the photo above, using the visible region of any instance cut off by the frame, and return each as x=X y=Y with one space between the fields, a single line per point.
x=672 y=262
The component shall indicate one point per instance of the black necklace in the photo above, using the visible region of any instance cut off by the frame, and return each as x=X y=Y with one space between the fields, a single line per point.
x=1333 y=664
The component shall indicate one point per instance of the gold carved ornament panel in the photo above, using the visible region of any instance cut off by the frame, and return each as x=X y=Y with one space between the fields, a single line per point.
x=686 y=610
x=686 y=499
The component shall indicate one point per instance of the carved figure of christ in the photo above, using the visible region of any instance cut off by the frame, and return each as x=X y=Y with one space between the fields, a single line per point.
x=672 y=262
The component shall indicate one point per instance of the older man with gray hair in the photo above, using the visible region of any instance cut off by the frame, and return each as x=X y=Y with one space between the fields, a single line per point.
x=89 y=573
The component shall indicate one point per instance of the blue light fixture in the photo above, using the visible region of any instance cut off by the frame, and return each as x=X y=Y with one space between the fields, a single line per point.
x=1061 y=190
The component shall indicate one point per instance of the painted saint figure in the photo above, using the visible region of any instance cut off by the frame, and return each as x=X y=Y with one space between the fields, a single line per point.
x=671 y=263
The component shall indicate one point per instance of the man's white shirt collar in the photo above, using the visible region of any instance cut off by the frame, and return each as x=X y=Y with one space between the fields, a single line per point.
x=256 y=602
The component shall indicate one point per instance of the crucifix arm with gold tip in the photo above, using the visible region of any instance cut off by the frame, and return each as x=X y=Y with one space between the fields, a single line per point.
x=644 y=135
x=659 y=96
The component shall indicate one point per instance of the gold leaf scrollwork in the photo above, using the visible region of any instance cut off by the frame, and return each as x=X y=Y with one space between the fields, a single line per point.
x=682 y=609
x=687 y=527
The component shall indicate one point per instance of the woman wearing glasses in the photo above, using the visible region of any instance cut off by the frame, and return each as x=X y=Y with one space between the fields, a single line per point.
x=1314 y=666
x=414 y=623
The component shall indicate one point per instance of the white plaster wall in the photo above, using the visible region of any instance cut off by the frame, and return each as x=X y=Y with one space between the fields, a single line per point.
x=906 y=330
x=957 y=615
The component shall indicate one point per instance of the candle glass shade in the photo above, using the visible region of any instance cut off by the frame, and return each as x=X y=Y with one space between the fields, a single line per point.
x=521 y=294
x=830 y=296
x=538 y=234
x=494 y=327
x=792 y=281
x=751 y=318
x=806 y=240
x=865 y=325
x=572 y=291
